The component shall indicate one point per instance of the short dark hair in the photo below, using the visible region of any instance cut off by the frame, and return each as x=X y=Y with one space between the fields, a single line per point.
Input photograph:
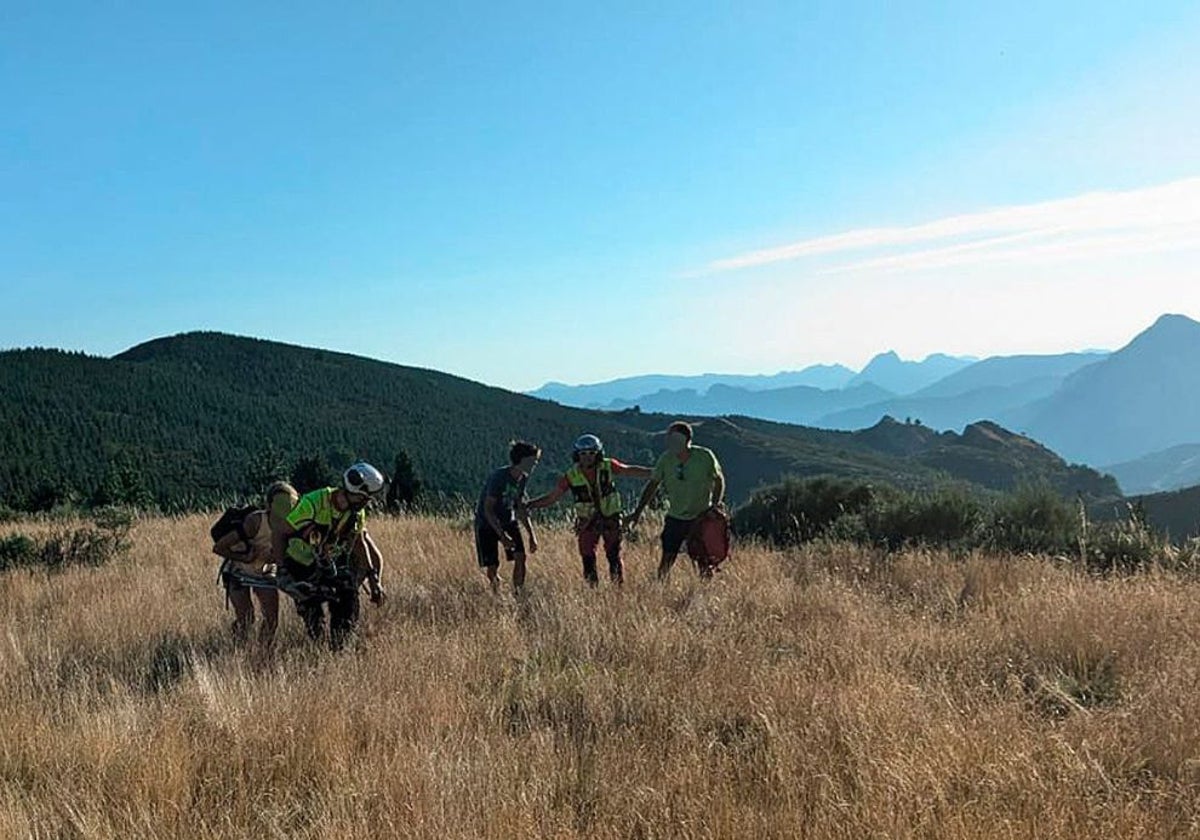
x=683 y=428
x=522 y=449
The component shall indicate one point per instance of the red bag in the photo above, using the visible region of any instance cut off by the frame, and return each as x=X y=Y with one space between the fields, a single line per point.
x=709 y=540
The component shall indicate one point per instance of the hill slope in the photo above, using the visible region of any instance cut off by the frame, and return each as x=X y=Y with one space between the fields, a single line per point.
x=195 y=416
x=1171 y=469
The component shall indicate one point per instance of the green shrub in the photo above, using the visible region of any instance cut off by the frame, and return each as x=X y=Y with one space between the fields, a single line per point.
x=799 y=510
x=1036 y=520
x=948 y=517
x=95 y=544
x=1127 y=545
x=17 y=550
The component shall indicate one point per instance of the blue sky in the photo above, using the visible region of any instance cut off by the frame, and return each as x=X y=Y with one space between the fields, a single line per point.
x=579 y=191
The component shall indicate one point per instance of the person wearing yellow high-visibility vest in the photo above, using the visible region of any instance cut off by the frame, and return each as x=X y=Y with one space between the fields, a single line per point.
x=597 y=504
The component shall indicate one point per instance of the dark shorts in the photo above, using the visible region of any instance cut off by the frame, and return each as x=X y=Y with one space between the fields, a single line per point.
x=235 y=582
x=487 y=544
x=675 y=533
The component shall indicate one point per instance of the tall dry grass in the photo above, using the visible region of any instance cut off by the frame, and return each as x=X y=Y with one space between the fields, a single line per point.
x=822 y=693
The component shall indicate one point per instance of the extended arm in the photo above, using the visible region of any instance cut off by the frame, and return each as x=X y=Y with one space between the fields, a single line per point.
x=523 y=515
x=546 y=499
x=647 y=494
x=633 y=470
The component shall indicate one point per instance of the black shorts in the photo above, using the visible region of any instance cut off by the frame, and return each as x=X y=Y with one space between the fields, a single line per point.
x=487 y=544
x=675 y=533
x=234 y=582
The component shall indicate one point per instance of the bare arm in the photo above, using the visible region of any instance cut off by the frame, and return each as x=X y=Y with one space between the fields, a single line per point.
x=647 y=494
x=546 y=499
x=633 y=470
x=374 y=558
x=374 y=563
x=232 y=546
x=489 y=513
x=523 y=515
x=718 y=489
x=279 y=542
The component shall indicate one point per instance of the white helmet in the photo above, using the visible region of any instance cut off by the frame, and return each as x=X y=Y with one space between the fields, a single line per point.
x=588 y=443
x=364 y=479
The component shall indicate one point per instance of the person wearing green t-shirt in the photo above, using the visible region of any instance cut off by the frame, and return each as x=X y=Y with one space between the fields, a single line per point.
x=694 y=484
x=324 y=554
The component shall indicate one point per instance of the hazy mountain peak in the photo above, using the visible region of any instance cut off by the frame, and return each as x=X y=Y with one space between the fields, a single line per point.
x=1139 y=400
x=1165 y=333
x=889 y=371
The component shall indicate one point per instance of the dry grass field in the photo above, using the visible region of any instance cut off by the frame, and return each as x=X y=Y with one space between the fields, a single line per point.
x=823 y=693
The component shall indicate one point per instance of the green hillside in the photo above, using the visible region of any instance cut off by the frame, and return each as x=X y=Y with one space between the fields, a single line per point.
x=1176 y=513
x=200 y=417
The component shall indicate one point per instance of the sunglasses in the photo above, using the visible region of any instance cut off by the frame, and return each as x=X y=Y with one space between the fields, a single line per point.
x=679 y=471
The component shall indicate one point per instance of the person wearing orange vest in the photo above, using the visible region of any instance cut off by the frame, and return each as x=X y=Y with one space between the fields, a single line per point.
x=597 y=504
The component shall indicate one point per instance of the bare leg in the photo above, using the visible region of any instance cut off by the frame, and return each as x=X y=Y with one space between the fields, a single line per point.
x=243 y=612
x=493 y=576
x=268 y=605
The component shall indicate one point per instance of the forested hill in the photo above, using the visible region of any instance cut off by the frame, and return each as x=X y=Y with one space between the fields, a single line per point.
x=202 y=417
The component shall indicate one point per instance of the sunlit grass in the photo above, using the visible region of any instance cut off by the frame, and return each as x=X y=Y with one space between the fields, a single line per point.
x=827 y=692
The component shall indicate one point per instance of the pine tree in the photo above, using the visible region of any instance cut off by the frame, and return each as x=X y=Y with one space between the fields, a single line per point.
x=406 y=486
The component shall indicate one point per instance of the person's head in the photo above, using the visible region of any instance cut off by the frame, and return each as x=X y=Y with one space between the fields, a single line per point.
x=361 y=483
x=679 y=437
x=523 y=456
x=281 y=497
x=587 y=449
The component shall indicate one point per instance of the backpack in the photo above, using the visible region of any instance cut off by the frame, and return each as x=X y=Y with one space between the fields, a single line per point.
x=233 y=519
x=710 y=539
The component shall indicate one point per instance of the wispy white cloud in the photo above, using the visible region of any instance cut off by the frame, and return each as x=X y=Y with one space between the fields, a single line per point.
x=1089 y=226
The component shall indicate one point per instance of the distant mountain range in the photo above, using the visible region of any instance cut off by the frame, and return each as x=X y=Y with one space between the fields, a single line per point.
x=996 y=388
x=799 y=404
x=890 y=372
x=618 y=391
x=195 y=419
x=1169 y=469
x=1132 y=408
x=1142 y=399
